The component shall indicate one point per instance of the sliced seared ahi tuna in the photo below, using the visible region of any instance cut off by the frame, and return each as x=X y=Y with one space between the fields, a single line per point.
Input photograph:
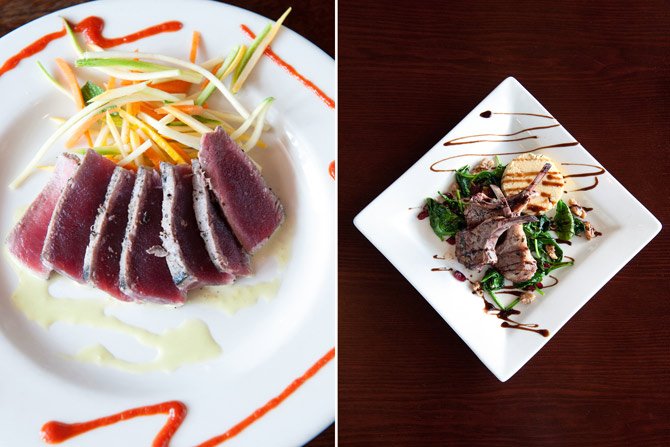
x=224 y=249
x=75 y=212
x=187 y=256
x=26 y=240
x=144 y=274
x=101 y=262
x=252 y=210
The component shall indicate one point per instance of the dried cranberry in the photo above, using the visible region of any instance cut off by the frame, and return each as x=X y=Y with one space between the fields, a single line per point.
x=450 y=195
x=475 y=188
x=539 y=285
x=451 y=240
x=424 y=212
x=459 y=276
x=546 y=265
x=529 y=288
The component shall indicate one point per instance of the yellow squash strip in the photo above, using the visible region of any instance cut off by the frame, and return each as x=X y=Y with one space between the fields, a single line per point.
x=154 y=136
x=101 y=139
x=187 y=119
x=115 y=134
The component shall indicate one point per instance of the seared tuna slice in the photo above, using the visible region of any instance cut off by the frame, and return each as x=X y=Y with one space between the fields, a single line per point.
x=475 y=248
x=75 y=212
x=515 y=261
x=144 y=274
x=101 y=262
x=252 y=210
x=187 y=256
x=26 y=240
x=224 y=249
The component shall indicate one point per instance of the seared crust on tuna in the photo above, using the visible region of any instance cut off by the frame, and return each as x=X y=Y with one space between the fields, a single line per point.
x=101 y=262
x=187 y=256
x=26 y=240
x=143 y=275
x=251 y=208
x=75 y=213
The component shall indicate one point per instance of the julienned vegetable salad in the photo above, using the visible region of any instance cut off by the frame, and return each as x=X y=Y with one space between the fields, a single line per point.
x=153 y=107
x=447 y=217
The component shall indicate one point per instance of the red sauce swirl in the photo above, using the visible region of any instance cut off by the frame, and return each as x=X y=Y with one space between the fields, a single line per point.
x=92 y=28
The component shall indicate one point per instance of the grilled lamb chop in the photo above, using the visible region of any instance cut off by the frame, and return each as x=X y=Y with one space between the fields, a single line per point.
x=26 y=240
x=101 y=262
x=481 y=207
x=187 y=256
x=70 y=227
x=251 y=208
x=476 y=247
x=515 y=261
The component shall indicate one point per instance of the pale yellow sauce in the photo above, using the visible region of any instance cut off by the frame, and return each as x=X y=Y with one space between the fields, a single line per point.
x=189 y=343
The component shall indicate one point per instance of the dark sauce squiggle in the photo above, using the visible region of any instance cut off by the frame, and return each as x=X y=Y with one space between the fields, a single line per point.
x=595 y=174
x=488 y=113
x=491 y=309
x=434 y=169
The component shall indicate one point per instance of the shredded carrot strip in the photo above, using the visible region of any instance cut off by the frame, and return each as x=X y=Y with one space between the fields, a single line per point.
x=153 y=156
x=72 y=140
x=146 y=108
x=194 y=46
x=74 y=87
x=112 y=83
x=214 y=70
x=191 y=110
x=130 y=166
x=181 y=152
x=176 y=86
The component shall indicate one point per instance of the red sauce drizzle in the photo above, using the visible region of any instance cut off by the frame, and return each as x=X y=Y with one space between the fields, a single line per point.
x=331 y=169
x=54 y=432
x=292 y=71
x=272 y=403
x=31 y=49
x=91 y=27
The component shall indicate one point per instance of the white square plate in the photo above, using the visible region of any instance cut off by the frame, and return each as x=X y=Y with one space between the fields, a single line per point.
x=517 y=123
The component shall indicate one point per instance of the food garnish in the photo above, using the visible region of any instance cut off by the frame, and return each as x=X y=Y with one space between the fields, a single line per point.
x=153 y=108
x=487 y=229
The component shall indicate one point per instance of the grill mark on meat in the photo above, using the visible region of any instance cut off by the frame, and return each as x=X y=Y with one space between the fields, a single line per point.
x=515 y=262
x=187 y=255
x=101 y=262
x=75 y=213
x=26 y=240
x=475 y=247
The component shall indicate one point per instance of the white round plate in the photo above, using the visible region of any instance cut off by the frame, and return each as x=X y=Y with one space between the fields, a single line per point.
x=265 y=346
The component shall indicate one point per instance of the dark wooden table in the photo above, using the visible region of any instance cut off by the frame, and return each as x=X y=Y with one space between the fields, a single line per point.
x=410 y=71
x=314 y=20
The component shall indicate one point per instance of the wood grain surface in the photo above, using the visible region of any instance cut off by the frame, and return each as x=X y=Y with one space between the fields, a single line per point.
x=409 y=72
x=314 y=20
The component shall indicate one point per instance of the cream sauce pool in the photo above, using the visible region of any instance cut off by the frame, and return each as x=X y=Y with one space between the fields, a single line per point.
x=190 y=342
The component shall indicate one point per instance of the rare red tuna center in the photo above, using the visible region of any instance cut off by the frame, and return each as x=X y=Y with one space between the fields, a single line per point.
x=150 y=236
